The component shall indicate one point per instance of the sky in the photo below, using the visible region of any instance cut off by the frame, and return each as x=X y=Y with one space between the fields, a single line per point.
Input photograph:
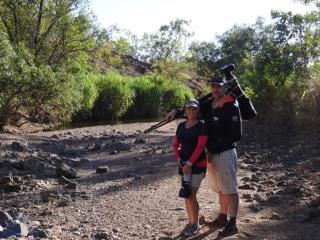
x=208 y=17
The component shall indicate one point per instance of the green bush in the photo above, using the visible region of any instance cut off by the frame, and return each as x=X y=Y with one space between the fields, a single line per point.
x=156 y=94
x=147 y=98
x=114 y=97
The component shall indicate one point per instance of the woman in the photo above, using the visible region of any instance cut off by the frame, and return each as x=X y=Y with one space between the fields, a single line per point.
x=189 y=148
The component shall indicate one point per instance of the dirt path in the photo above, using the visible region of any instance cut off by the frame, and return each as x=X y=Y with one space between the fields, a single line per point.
x=137 y=196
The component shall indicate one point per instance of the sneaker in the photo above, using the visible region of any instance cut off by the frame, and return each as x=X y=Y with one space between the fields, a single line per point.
x=192 y=230
x=229 y=230
x=219 y=222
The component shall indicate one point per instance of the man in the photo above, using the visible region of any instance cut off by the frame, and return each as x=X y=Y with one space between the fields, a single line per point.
x=222 y=117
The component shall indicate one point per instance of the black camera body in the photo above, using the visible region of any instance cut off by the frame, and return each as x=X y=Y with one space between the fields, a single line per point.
x=247 y=110
x=227 y=69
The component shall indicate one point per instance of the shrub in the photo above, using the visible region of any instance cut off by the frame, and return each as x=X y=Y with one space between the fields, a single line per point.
x=114 y=97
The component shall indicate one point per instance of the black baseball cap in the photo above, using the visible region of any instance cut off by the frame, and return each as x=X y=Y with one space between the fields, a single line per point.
x=217 y=80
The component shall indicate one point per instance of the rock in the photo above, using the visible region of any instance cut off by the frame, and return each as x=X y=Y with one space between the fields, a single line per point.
x=246 y=187
x=254 y=208
x=63 y=202
x=140 y=141
x=5 y=180
x=246 y=179
x=5 y=219
x=114 y=152
x=39 y=233
x=314 y=202
x=66 y=171
x=20 y=165
x=54 y=157
x=274 y=199
x=101 y=170
x=16 y=146
x=290 y=190
x=275 y=216
x=254 y=178
x=260 y=198
x=84 y=161
x=11 y=187
x=247 y=196
x=96 y=147
x=70 y=184
x=55 y=136
x=103 y=235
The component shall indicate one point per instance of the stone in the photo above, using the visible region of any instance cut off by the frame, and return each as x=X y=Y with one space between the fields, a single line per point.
x=101 y=170
x=291 y=190
x=39 y=233
x=275 y=216
x=246 y=187
x=140 y=140
x=114 y=152
x=103 y=235
x=66 y=171
x=16 y=146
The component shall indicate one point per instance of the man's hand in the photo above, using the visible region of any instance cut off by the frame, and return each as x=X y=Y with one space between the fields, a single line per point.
x=234 y=87
x=171 y=115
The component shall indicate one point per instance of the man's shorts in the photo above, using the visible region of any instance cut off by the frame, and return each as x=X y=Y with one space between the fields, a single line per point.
x=223 y=173
x=196 y=179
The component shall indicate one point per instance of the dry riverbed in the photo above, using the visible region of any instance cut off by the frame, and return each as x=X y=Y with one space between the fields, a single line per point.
x=122 y=184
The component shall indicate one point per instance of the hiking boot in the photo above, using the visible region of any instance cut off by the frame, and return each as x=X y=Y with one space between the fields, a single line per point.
x=229 y=230
x=192 y=230
x=219 y=222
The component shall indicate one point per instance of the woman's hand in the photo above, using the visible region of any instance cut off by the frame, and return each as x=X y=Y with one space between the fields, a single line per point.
x=186 y=169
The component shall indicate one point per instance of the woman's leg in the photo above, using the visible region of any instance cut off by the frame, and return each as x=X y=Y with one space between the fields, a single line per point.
x=194 y=206
x=188 y=210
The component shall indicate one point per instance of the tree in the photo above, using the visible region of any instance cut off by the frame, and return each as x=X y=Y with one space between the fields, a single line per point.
x=165 y=45
x=206 y=56
x=53 y=30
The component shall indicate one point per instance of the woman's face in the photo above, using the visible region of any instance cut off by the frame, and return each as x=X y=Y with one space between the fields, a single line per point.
x=192 y=113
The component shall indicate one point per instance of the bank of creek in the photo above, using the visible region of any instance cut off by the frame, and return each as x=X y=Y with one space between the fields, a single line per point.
x=114 y=182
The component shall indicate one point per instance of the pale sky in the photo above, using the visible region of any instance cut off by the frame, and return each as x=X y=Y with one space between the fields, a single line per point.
x=208 y=17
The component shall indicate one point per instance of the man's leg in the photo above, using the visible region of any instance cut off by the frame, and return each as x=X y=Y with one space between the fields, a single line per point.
x=233 y=200
x=223 y=202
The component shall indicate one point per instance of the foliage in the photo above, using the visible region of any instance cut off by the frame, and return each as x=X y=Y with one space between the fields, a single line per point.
x=54 y=31
x=114 y=97
x=22 y=82
x=168 y=44
x=155 y=94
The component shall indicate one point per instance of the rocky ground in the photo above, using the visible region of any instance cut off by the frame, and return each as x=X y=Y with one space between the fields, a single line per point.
x=114 y=182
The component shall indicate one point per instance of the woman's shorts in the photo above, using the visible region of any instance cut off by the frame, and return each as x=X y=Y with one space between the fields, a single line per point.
x=196 y=179
x=223 y=171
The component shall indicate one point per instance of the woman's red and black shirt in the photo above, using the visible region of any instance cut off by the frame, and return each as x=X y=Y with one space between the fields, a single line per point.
x=189 y=145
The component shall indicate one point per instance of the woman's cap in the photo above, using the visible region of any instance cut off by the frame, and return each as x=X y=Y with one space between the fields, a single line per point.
x=217 y=80
x=192 y=103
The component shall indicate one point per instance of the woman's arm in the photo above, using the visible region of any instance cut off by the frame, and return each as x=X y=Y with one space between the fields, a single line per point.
x=201 y=144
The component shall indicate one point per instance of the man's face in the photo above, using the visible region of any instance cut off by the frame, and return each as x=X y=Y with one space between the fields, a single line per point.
x=217 y=91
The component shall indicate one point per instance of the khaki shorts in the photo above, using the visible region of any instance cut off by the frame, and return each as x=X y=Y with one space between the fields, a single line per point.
x=196 y=179
x=222 y=171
